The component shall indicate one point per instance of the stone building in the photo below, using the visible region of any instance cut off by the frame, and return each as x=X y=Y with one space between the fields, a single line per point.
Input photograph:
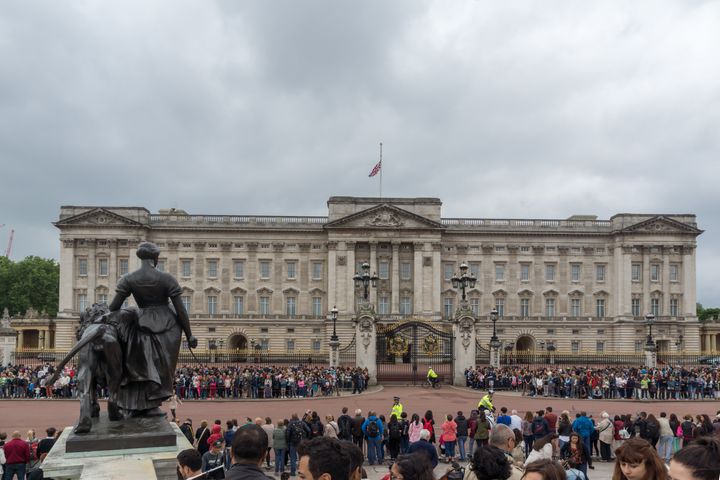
x=249 y=281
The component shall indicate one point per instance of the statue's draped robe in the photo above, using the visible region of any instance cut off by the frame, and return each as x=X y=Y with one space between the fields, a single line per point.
x=151 y=344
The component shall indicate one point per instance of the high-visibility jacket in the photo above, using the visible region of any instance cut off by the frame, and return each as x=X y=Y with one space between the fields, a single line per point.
x=431 y=373
x=397 y=410
x=486 y=403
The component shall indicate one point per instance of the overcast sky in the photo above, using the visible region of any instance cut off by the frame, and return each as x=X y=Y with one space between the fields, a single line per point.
x=502 y=109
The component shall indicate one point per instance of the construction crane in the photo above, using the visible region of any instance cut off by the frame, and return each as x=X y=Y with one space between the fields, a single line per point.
x=9 y=246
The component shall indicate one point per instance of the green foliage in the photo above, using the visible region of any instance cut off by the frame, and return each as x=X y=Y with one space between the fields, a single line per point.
x=32 y=282
x=705 y=314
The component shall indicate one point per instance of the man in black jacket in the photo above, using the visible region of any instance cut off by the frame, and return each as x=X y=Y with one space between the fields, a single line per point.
x=297 y=431
x=345 y=424
x=249 y=447
x=462 y=433
x=358 y=435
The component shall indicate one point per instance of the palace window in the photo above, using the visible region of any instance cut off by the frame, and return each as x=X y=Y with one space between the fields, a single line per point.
x=101 y=298
x=290 y=306
x=674 y=268
x=448 y=271
x=550 y=272
x=185 y=299
x=636 y=272
x=575 y=307
x=600 y=307
x=317 y=268
x=384 y=270
x=635 y=307
x=383 y=305
x=524 y=307
x=264 y=305
x=405 y=271
x=264 y=269
x=186 y=268
x=448 y=307
x=600 y=346
x=212 y=268
x=549 y=307
x=82 y=302
x=212 y=304
x=475 y=306
x=238 y=269
x=600 y=273
x=655 y=306
x=82 y=267
x=499 y=272
x=290 y=345
x=316 y=345
x=103 y=267
x=655 y=272
x=575 y=346
x=673 y=307
x=317 y=309
x=123 y=266
x=238 y=305
x=475 y=269
x=265 y=344
x=291 y=270
x=160 y=266
x=638 y=346
x=405 y=305
x=575 y=272
x=500 y=306
x=524 y=272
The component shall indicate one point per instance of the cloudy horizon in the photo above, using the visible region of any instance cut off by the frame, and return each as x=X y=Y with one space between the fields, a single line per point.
x=524 y=110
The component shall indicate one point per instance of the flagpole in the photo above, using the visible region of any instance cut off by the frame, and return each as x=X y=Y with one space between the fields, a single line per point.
x=381 y=169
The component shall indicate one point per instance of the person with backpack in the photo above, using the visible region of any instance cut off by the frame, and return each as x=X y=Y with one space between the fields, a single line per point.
x=405 y=434
x=357 y=432
x=345 y=424
x=316 y=425
x=540 y=427
x=297 y=431
x=394 y=430
x=372 y=429
x=687 y=429
x=462 y=434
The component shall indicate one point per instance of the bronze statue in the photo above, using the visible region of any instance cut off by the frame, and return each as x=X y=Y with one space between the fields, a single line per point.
x=148 y=337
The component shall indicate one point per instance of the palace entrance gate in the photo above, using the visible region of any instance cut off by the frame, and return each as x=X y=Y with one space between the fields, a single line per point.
x=405 y=350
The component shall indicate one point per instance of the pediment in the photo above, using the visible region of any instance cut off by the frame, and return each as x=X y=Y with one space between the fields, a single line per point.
x=98 y=217
x=385 y=217
x=661 y=224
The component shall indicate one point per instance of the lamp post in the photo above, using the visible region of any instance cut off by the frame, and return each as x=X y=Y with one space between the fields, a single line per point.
x=650 y=352
x=551 y=348
x=494 y=341
x=679 y=342
x=364 y=280
x=334 y=340
x=463 y=280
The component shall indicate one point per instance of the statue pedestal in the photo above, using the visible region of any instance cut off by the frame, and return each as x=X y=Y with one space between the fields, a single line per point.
x=124 y=451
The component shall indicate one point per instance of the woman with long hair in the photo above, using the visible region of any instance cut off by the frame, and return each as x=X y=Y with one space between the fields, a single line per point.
x=544 y=448
x=482 y=431
x=698 y=461
x=564 y=428
x=544 y=470
x=575 y=454
x=415 y=428
x=428 y=424
x=412 y=466
x=527 y=432
x=636 y=459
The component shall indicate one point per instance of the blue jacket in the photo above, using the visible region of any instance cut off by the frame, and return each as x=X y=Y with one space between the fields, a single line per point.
x=379 y=425
x=583 y=426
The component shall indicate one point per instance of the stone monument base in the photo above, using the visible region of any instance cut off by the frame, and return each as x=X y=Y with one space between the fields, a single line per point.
x=138 y=459
x=129 y=434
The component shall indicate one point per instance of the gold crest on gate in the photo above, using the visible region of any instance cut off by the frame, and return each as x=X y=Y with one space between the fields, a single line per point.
x=430 y=345
x=398 y=346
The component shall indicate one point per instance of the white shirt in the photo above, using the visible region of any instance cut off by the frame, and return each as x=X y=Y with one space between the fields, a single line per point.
x=515 y=422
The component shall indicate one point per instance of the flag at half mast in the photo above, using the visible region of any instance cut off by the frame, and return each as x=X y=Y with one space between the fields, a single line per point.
x=376 y=169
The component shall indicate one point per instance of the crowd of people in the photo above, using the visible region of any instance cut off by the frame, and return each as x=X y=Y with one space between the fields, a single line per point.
x=662 y=383
x=204 y=382
x=495 y=443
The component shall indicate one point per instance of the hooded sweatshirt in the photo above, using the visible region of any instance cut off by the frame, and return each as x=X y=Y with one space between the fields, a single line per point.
x=216 y=434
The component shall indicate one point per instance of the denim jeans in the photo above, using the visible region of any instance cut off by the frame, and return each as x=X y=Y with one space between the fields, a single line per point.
x=461 y=446
x=588 y=451
x=279 y=460
x=667 y=447
x=450 y=449
x=374 y=450
x=471 y=446
x=404 y=444
x=14 y=469
x=292 y=449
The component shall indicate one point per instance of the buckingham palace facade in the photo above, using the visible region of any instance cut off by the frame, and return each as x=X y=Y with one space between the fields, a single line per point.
x=251 y=281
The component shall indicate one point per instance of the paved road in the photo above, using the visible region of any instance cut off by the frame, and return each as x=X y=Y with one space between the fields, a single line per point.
x=40 y=414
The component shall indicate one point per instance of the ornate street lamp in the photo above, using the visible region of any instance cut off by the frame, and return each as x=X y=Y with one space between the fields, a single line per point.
x=364 y=279
x=649 y=320
x=334 y=313
x=494 y=341
x=463 y=280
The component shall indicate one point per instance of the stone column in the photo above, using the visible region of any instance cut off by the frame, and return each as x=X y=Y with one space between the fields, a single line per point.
x=666 y=281
x=20 y=339
x=366 y=344
x=332 y=272
x=436 y=280
x=417 y=277
x=348 y=281
x=646 y=280
x=689 y=295
x=334 y=353
x=651 y=356
x=395 y=279
x=92 y=271
x=372 y=297
x=67 y=276
x=464 y=345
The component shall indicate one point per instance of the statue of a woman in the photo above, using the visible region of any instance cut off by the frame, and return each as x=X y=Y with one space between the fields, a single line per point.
x=152 y=345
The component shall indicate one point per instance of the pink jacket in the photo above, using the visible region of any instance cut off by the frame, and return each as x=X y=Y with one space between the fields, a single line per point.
x=414 y=431
x=449 y=430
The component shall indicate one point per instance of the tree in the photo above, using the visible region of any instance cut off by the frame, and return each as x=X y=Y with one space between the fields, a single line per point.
x=705 y=314
x=32 y=282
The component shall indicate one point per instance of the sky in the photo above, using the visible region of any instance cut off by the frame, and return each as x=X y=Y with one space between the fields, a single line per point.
x=517 y=109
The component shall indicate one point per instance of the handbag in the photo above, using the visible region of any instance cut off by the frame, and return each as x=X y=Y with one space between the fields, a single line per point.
x=196 y=443
x=624 y=434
